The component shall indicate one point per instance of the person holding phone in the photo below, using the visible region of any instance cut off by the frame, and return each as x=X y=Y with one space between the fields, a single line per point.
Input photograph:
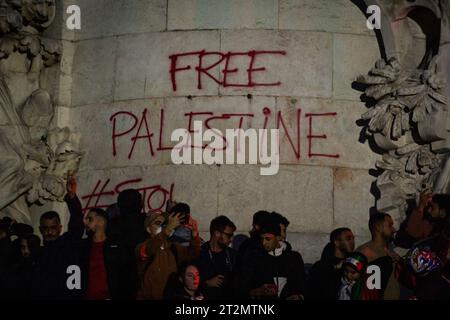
x=160 y=255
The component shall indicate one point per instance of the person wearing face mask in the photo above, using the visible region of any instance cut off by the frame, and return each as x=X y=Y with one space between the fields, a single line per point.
x=158 y=257
x=217 y=260
x=102 y=265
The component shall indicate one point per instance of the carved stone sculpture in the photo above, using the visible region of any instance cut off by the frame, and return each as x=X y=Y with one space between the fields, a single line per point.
x=409 y=118
x=34 y=158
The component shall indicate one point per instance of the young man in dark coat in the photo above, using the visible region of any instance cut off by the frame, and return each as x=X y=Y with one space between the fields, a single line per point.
x=325 y=275
x=279 y=272
x=217 y=260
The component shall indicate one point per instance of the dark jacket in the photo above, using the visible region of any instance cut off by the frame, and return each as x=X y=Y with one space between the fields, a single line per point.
x=271 y=269
x=250 y=252
x=50 y=275
x=211 y=264
x=114 y=264
x=325 y=278
x=128 y=230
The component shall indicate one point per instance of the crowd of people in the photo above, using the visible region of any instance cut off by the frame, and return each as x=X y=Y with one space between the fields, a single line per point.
x=122 y=253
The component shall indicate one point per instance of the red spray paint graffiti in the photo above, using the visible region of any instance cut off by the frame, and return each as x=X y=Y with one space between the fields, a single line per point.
x=227 y=57
x=138 y=129
x=102 y=190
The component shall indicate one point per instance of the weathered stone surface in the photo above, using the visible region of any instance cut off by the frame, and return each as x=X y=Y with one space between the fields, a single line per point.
x=96 y=125
x=353 y=199
x=58 y=79
x=149 y=73
x=333 y=118
x=346 y=68
x=107 y=18
x=93 y=71
x=218 y=14
x=302 y=193
x=339 y=16
x=303 y=71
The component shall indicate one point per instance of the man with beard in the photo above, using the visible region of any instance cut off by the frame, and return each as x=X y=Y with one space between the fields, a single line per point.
x=100 y=259
x=429 y=217
x=217 y=260
x=325 y=275
x=378 y=253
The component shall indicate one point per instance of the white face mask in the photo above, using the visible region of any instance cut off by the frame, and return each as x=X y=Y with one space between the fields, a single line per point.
x=158 y=230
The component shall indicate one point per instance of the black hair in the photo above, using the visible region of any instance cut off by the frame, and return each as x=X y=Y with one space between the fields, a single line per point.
x=328 y=250
x=50 y=215
x=375 y=219
x=271 y=225
x=129 y=201
x=183 y=267
x=101 y=213
x=259 y=217
x=21 y=229
x=282 y=219
x=182 y=208
x=220 y=223
x=336 y=233
x=443 y=201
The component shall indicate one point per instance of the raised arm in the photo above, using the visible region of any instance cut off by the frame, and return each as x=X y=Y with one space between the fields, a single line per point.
x=76 y=227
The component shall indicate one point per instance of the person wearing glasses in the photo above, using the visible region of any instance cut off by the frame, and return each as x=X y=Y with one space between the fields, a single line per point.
x=217 y=260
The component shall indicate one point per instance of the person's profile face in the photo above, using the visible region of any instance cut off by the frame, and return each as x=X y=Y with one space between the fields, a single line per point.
x=283 y=231
x=226 y=236
x=388 y=229
x=346 y=242
x=436 y=212
x=191 y=278
x=24 y=248
x=50 y=229
x=90 y=222
x=269 y=241
x=155 y=225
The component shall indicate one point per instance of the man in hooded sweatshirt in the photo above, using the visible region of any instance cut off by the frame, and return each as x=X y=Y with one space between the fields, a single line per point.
x=279 y=273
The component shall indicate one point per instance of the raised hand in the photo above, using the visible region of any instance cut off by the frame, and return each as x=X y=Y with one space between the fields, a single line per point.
x=71 y=185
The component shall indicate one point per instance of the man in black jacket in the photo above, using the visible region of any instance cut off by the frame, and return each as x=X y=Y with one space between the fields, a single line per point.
x=249 y=252
x=101 y=260
x=59 y=251
x=325 y=275
x=217 y=260
x=279 y=272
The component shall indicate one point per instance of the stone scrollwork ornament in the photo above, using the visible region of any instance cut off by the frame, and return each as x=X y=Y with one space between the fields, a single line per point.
x=408 y=120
